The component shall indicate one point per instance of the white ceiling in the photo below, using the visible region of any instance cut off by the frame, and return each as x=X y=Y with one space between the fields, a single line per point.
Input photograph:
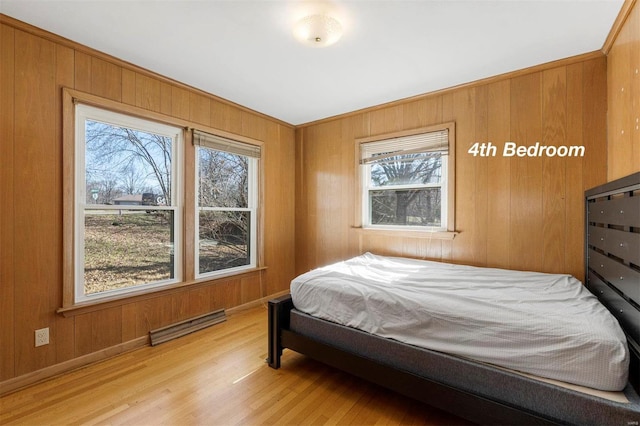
x=243 y=50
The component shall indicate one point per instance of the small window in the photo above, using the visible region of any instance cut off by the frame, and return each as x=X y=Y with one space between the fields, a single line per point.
x=405 y=181
x=227 y=201
x=127 y=204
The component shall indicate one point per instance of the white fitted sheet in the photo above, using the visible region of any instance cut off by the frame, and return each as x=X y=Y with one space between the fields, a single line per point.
x=548 y=325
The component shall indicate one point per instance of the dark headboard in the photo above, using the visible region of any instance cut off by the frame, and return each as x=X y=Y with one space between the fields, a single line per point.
x=613 y=255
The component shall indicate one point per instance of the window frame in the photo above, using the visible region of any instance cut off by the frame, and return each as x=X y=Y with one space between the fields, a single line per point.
x=82 y=113
x=69 y=305
x=363 y=176
x=253 y=207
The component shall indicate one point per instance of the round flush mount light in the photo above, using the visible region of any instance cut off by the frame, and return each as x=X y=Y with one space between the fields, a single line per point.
x=318 y=30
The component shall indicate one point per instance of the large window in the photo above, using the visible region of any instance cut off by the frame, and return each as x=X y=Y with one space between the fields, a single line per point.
x=405 y=181
x=227 y=200
x=144 y=211
x=128 y=209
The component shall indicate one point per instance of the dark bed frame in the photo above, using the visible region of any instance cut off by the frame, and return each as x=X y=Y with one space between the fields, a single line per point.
x=612 y=257
x=613 y=229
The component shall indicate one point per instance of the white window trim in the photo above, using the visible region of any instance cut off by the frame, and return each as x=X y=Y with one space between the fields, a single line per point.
x=82 y=113
x=253 y=203
x=447 y=231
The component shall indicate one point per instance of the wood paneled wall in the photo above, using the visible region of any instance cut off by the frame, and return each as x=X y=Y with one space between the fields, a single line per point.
x=35 y=65
x=518 y=213
x=623 y=80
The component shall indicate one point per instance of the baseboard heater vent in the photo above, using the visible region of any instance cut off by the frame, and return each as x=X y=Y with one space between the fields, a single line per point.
x=185 y=327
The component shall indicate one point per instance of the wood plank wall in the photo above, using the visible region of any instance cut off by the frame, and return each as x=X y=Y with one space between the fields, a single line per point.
x=521 y=213
x=623 y=80
x=35 y=65
x=518 y=213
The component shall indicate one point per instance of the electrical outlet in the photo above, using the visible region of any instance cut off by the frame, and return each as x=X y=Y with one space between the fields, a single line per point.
x=42 y=337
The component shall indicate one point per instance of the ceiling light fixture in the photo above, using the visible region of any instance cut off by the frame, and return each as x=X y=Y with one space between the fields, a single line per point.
x=318 y=30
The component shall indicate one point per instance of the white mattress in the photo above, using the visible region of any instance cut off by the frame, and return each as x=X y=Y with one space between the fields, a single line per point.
x=548 y=325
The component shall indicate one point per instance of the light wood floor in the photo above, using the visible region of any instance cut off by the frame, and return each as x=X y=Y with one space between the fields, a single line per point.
x=216 y=376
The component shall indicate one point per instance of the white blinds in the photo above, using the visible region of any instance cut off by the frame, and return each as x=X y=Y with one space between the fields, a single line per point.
x=223 y=144
x=435 y=142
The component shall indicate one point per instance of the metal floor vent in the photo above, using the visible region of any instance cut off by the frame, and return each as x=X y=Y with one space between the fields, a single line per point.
x=185 y=327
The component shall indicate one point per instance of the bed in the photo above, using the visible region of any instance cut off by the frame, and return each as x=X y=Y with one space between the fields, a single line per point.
x=442 y=372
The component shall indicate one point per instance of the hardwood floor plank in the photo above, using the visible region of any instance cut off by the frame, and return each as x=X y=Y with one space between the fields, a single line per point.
x=217 y=376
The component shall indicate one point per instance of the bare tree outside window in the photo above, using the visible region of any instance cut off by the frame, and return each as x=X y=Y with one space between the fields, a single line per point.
x=127 y=247
x=399 y=190
x=223 y=179
x=224 y=210
x=134 y=159
x=134 y=181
